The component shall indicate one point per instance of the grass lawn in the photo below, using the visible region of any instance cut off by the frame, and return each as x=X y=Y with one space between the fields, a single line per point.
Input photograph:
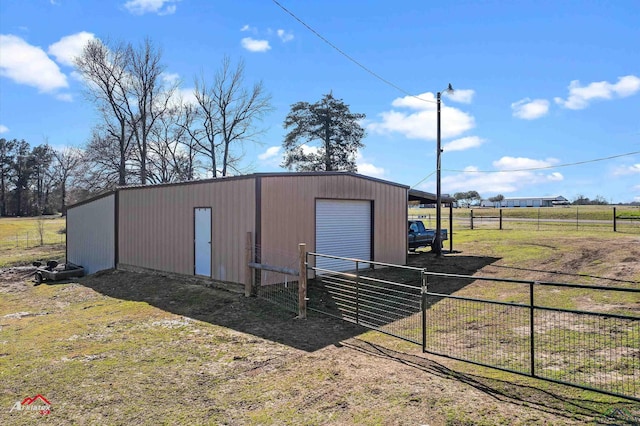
x=122 y=348
x=20 y=240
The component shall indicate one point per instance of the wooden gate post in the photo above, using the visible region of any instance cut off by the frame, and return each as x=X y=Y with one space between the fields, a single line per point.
x=302 y=282
x=249 y=272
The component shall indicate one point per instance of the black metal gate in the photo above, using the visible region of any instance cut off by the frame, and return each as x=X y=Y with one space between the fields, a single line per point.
x=524 y=334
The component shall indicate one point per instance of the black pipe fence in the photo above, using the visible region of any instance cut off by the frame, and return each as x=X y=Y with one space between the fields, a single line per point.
x=575 y=334
x=546 y=218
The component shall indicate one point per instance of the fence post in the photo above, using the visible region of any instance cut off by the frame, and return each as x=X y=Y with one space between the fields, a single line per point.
x=357 y=292
x=614 y=220
x=532 y=330
x=450 y=227
x=423 y=308
x=248 y=280
x=472 y=219
x=302 y=282
x=501 y=219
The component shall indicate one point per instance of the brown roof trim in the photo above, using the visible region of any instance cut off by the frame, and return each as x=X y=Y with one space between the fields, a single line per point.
x=187 y=182
x=256 y=175
x=241 y=177
x=332 y=173
x=91 y=199
x=428 y=197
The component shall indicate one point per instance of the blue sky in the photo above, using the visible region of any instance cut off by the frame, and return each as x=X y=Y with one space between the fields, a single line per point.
x=539 y=84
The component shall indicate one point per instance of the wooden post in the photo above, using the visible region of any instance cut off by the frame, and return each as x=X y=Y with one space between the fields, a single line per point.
x=614 y=220
x=501 y=219
x=302 y=282
x=249 y=272
x=472 y=219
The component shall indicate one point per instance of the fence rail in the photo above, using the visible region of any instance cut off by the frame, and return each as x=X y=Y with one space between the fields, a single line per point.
x=539 y=218
x=596 y=349
x=32 y=239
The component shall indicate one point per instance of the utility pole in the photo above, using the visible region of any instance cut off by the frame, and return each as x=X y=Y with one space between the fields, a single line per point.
x=438 y=237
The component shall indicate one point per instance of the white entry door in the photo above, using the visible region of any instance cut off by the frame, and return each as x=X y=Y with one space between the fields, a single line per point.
x=202 y=241
x=343 y=228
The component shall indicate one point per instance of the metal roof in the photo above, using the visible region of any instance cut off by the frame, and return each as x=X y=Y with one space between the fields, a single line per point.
x=428 y=197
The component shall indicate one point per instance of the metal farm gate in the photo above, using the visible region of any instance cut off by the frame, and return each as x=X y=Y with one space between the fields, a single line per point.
x=521 y=332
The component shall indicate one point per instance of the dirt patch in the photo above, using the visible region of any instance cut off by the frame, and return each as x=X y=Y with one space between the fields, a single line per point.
x=204 y=355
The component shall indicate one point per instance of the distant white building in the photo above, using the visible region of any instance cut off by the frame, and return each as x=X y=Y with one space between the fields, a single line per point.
x=527 y=202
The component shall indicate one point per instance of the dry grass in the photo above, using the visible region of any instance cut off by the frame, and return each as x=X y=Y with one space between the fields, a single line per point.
x=122 y=348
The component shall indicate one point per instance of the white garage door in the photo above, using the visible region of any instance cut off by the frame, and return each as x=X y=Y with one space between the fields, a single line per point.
x=343 y=228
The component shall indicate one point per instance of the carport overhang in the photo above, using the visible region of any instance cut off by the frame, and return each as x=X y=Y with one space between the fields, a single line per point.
x=424 y=197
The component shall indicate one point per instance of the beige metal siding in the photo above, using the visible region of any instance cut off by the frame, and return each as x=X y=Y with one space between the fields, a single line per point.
x=288 y=212
x=91 y=234
x=156 y=228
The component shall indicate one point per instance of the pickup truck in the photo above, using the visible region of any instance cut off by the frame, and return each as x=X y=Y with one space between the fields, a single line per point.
x=419 y=236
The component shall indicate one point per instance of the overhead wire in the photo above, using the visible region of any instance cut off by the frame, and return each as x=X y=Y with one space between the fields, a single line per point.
x=400 y=89
x=529 y=169
x=557 y=166
x=349 y=57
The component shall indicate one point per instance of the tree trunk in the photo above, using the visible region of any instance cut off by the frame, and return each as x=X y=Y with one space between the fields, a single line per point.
x=327 y=145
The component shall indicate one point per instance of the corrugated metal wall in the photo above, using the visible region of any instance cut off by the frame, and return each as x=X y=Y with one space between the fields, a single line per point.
x=288 y=212
x=91 y=234
x=156 y=228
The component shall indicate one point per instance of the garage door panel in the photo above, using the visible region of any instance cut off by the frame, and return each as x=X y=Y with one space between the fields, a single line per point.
x=343 y=228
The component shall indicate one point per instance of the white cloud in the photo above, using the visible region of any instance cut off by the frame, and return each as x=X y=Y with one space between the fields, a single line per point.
x=528 y=109
x=65 y=97
x=580 y=96
x=253 y=45
x=69 y=47
x=271 y=153
x=627 y=170
x=421 y=123
x=306 y=149
x=3 y=128
x=365 y=167
x=246 y=28
x=285 y=36
x=463 y=143
x=160 y=7
x=520 y=163
x=555 y=177
x=30 y=65
x=503 y=181
x=464 y=96
x=170 y=78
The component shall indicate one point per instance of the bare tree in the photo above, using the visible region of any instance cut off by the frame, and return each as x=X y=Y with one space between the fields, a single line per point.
x=103 y=163
x=104 y=69
x=226 y=115
x=171 y=158
x=150 y=94
x=67 y=163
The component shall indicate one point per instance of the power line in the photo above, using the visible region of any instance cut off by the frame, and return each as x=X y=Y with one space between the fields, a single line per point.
x=577 y=163
x=531 y=168
x=321 y=37
x=425 y=178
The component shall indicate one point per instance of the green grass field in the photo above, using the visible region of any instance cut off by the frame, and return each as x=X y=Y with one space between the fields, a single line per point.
x=563 y=212
x=20 y=239
x=121 y=348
